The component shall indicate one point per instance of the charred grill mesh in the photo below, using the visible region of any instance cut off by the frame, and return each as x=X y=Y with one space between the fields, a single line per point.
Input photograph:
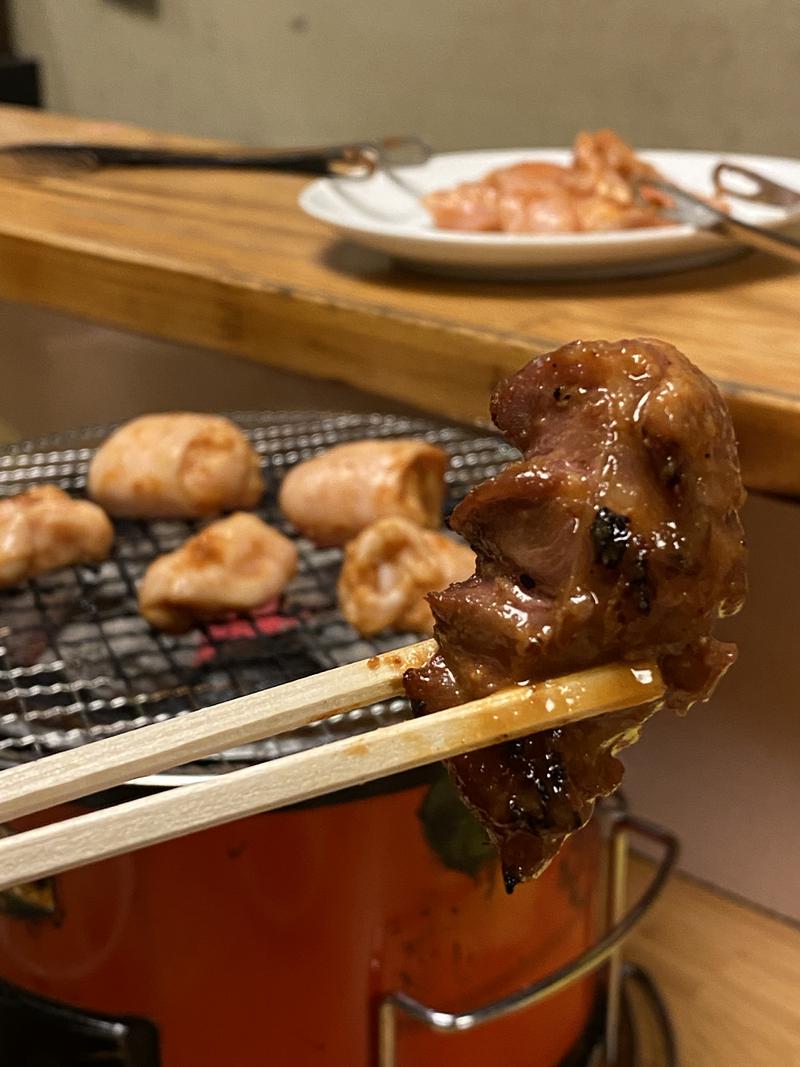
x=77 y=661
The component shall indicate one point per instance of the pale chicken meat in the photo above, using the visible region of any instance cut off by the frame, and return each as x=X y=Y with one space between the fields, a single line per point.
x=597 y=190
x=176 y=465
x=335 y=495
x=235 y=564
x=470 y=206
x=44 y=529
x=390 y=568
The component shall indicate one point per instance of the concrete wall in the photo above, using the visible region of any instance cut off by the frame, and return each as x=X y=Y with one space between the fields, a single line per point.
x=689 y=73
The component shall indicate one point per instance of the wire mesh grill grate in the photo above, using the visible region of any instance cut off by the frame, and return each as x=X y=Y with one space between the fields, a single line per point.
x=77 y=661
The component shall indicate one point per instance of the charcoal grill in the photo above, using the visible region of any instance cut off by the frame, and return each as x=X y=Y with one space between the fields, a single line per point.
x=78 y=663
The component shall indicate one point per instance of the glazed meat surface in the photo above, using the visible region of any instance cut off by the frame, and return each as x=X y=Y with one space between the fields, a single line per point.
x=176 y=465
x=388 y=570
x=615 y=537
x=335 y=495
x=235 y=564
x=44 y=528
x=596 y=191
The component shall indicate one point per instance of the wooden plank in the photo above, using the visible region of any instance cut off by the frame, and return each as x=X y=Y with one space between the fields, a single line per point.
x=230 y=262
x=396 y=354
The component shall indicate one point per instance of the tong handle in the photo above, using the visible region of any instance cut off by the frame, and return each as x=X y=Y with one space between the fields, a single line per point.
x=358 y=160
x=698 y=212
x=338 y=159
x=777 y=244
x=763 y=190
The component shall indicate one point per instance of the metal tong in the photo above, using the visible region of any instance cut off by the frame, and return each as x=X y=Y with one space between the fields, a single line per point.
x=695 y=211
x=756 y=187
x=357 y=160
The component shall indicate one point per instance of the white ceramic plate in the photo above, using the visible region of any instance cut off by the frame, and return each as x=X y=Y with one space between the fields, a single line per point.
x=385 y=213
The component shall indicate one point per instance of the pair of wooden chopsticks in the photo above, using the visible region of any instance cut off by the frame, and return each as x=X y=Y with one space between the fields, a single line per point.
x=506 y=714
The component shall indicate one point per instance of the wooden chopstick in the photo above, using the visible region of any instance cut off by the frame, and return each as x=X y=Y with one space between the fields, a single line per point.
x=164 y=745
x=506 y=714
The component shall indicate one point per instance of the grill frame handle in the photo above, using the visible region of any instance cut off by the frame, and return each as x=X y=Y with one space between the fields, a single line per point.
x=623 y=828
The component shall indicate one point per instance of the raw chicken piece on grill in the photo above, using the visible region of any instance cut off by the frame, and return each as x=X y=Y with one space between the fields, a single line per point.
x=389 y=568
x=176 y=465
x=235 y=564
x=44 y=528
x=333 y=496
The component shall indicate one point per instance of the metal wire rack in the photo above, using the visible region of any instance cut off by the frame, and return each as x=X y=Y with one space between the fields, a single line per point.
x=78 y=662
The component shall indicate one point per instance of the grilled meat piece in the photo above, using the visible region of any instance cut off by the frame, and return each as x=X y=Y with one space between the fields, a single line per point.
x=616 y=536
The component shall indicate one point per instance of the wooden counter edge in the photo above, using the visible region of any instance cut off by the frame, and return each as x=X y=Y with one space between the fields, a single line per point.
x=443 y=367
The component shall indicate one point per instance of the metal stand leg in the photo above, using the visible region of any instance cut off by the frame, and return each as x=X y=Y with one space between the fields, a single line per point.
x=615 y=909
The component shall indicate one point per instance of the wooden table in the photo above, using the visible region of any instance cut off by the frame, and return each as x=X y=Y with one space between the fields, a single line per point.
x=229 y=261
x=729 y=974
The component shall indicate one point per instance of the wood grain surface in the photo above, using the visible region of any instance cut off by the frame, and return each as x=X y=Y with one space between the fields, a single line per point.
x=730 y=975
x=229 y=261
